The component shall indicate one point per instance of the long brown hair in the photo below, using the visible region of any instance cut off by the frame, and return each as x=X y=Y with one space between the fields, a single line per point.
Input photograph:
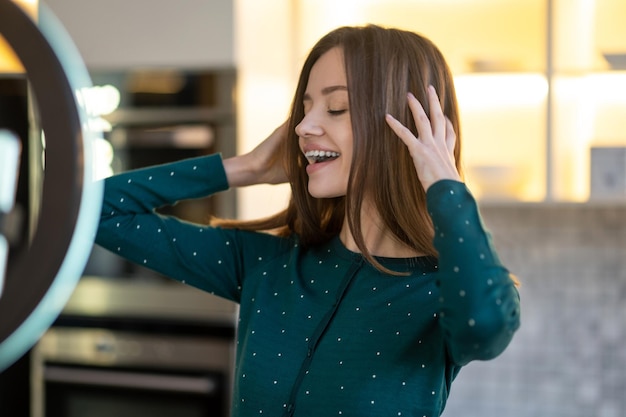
x=382 y=66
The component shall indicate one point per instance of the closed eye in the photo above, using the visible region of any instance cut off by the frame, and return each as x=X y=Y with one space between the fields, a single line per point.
x=336 y=112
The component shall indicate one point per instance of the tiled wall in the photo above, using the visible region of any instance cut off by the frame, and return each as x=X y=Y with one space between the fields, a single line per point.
x=569 y=357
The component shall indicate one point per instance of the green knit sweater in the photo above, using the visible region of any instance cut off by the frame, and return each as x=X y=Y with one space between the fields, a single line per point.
x=321 y=332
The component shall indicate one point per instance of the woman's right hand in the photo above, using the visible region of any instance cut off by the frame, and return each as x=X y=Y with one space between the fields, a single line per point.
x=262 y=165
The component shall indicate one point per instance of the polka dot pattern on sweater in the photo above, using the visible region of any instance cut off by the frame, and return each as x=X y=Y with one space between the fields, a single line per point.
x=321 y=332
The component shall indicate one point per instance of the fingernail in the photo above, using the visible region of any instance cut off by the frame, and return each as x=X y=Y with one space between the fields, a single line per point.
x=410 y=95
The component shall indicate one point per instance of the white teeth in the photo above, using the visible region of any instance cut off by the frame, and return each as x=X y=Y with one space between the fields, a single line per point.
x=318 y=153
x=320 y=156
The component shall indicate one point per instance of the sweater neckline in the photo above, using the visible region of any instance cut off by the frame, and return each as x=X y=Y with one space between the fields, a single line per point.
x=425 y=262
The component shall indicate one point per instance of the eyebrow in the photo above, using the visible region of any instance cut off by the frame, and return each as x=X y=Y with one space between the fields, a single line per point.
x=327 y=90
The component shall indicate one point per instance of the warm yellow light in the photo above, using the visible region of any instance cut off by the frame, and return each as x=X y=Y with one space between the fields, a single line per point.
x=29 y=6
x=500 y=90
x=589 y=112
x=9 y=62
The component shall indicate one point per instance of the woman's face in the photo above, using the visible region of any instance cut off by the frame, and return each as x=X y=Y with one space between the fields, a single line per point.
x=325 y=132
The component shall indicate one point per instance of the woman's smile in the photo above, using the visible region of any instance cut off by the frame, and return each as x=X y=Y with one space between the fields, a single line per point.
x=325 y=132
x=319 y=158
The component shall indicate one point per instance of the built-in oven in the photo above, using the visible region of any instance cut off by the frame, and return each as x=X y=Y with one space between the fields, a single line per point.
x=103 y=373
x=175 y=360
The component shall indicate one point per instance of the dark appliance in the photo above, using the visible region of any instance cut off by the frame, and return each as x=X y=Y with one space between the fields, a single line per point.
x=14 y=115
x=118 y=349
x=166 y=115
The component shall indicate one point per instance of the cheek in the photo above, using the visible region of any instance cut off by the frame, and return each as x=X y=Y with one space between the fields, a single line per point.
x=347 y=147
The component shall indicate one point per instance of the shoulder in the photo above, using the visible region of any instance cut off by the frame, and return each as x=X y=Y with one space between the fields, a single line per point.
x=263 y=245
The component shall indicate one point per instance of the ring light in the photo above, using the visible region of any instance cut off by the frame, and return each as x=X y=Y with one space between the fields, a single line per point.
x=40 y=280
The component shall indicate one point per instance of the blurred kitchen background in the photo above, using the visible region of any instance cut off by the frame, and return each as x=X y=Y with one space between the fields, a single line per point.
x=542 y=90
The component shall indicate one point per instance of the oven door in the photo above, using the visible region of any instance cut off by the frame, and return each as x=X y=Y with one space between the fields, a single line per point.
x=94 y=392
x=100 y=373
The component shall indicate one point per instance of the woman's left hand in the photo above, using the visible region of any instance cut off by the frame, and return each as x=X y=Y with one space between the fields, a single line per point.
x=433 y=150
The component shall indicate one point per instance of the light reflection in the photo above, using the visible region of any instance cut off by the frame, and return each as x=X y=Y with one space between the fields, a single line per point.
x=99 y=100
x=103 y=158
x=589 y=111
x=9 y=171
x=29 y=6
x=483 y=91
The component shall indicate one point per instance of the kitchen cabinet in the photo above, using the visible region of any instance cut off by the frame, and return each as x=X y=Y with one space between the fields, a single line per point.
x=535 y=89
x=589 y=91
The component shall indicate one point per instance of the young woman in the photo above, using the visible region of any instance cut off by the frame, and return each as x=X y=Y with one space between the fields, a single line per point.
x=378 y=282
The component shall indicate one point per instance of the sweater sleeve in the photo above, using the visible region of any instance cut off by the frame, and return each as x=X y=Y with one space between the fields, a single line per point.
x=480 y=305
x=198 y=255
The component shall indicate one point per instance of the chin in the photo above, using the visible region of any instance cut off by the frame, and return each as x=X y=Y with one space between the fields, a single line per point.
x=325 y=192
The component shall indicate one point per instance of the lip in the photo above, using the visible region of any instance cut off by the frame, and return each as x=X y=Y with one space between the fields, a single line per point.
x=313 y=168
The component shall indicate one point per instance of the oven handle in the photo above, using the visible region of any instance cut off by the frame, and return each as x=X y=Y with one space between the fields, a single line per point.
x=133 y=380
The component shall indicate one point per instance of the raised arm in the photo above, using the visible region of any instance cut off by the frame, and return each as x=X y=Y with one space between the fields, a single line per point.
x=479 y=301
x=259 y=166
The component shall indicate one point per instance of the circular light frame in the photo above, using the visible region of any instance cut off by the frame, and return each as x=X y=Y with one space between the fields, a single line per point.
x=40 y=280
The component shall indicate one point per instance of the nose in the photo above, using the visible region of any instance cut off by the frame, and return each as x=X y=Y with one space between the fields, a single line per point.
x=308 y=127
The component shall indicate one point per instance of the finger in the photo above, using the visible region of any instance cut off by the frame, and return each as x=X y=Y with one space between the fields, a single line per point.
x=422 y=122
x=437 y=118
x=401 y=131
x=450 y=137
